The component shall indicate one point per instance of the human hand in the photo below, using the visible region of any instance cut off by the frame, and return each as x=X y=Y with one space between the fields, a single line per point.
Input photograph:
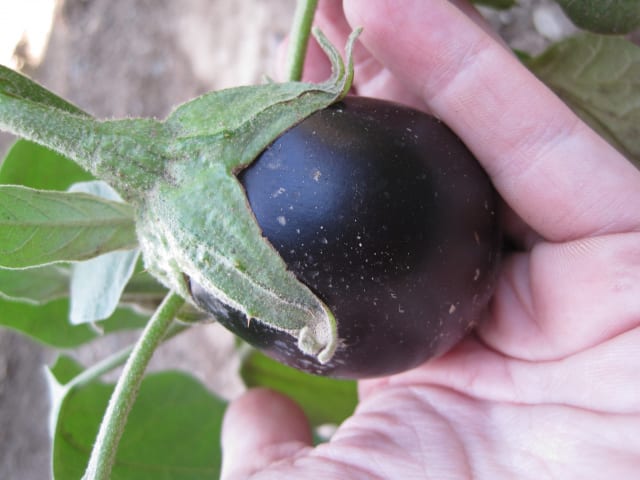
x=547 y=387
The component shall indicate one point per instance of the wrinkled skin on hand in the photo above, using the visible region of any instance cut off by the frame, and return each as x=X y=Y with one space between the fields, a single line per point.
x=547 y=387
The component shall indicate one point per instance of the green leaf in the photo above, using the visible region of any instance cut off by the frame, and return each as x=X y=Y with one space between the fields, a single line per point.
x=15 y=85
x=35 y=285
x=497 y=4
x=31 y=165
x=97 y=284
x=39 y=285
x=599 y=16
x=173 y=431
x=65 y=369
x=599 y=78
x=324 y=400
x=39 y=227
x=49 y=324
x=60 y=373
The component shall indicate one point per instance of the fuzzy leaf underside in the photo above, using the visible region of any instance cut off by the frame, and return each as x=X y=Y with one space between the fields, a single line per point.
x=39 y=227
x=599 y=78
x=97 y=284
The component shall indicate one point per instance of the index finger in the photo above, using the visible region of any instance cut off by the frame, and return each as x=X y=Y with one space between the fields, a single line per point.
x=561 y=177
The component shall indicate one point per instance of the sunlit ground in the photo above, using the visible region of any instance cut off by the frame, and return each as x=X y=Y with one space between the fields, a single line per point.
x=25 y=26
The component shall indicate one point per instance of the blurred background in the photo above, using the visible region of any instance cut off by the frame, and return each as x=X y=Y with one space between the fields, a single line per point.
x=117 y=58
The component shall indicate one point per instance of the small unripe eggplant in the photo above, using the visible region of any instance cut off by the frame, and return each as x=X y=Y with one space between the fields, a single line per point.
x=388 y=218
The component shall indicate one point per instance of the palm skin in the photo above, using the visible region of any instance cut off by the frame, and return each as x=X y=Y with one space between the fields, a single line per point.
x=546 y=387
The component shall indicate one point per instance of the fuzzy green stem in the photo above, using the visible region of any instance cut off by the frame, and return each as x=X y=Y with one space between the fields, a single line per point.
x=118 y=152
x=299 y=38
x=112 y=426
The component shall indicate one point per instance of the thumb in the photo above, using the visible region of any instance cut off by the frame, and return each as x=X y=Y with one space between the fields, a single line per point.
x=259 y=429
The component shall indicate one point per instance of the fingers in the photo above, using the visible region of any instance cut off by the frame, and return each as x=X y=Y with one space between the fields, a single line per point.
x=563 y=298
x=371 y=79
x=557 y=174
x=261 y=428
x=601 y=379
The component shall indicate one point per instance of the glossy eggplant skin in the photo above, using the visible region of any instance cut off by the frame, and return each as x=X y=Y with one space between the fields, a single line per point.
x=384 y=213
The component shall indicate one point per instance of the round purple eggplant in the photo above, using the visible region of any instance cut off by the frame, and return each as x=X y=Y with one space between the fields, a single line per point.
x=388 y=218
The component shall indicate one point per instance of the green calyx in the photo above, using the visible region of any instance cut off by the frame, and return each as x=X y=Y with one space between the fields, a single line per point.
x=192 y=216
